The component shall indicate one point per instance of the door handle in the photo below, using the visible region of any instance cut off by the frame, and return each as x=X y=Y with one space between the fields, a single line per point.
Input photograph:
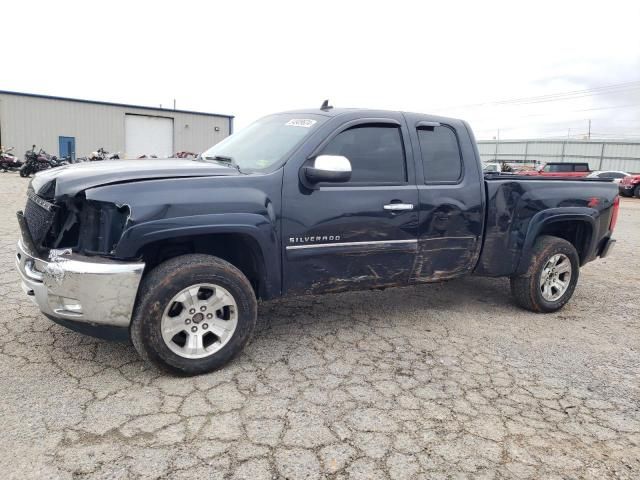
x=394 y=207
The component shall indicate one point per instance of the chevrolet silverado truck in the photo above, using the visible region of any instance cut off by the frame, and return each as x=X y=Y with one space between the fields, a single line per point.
x=177 y=253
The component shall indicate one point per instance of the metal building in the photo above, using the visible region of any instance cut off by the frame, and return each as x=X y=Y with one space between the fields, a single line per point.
x=601 y=154
x=67 y=126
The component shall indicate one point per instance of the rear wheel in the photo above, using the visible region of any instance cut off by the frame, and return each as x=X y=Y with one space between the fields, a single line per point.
x=193 y=315
x=636 y=191
x=551 y=277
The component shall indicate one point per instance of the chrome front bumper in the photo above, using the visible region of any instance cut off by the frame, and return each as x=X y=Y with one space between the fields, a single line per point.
x=84 y=289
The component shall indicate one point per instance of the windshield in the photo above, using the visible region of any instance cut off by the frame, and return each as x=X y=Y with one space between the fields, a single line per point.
x=265 y=142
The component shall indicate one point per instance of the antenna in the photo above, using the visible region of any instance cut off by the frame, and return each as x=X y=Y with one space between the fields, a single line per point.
x=325 y=106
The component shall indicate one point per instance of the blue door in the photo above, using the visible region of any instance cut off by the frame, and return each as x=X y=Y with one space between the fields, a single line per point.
x=67 y=147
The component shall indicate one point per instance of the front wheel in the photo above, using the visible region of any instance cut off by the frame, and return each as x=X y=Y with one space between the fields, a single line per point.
x=551 y=278
x=193 y=315
x=24 y=172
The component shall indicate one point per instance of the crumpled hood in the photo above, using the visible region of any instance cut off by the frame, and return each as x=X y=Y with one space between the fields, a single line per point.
x=72 y=179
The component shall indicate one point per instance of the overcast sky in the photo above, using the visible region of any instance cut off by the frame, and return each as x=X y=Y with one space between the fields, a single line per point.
x=249 y=58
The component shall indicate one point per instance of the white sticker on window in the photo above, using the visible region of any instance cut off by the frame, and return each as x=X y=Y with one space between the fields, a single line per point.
x=300 y=122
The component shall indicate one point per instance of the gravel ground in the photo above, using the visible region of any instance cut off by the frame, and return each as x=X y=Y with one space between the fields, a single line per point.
x=439 y=381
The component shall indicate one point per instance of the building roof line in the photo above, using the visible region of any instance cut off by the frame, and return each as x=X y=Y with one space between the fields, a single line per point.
x=113 y=104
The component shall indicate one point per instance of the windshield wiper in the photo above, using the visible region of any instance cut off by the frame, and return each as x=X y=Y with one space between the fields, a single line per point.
x=224 y=159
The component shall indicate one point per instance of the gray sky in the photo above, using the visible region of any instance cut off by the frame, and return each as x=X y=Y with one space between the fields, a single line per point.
x=251 y=58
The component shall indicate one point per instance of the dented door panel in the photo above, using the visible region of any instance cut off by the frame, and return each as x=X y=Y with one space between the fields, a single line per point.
x=451 y=218
x=340 y=237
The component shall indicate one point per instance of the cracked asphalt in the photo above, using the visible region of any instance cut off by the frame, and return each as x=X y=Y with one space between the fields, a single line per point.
x=446 y=380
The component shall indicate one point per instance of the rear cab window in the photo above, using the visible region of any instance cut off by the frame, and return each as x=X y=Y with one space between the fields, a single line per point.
x=440 y=152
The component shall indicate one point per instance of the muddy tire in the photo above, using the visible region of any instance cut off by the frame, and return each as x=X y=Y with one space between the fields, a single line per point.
x=551 y=278
x=193 y=314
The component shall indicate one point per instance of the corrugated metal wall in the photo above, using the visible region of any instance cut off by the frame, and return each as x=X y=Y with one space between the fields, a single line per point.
x=28 y=120
x=601 y=154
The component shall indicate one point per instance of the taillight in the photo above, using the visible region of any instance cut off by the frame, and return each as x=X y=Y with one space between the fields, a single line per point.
x=614 y=213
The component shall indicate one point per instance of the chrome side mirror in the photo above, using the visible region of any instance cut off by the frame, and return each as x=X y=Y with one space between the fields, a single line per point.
x=328 y=168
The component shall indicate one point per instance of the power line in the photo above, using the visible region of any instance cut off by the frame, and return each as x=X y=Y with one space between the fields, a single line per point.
x=570 y=95
x=574 y=94
x=629 y=105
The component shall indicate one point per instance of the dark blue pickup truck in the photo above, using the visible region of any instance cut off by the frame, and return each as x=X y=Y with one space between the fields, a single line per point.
x=176 y=253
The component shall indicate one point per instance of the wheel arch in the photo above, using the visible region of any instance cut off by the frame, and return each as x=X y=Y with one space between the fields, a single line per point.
x=253 y=249
x=577 y=227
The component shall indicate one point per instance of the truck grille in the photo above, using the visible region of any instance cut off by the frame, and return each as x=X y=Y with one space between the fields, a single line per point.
x=39 y=215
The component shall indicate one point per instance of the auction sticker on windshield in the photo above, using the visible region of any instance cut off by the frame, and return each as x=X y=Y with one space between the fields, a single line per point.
x=300 y=122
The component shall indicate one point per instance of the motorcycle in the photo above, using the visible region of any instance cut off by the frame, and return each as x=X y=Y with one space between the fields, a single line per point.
x=101 y=154
x=8 y=161
x=36 y=162
x=185 y=155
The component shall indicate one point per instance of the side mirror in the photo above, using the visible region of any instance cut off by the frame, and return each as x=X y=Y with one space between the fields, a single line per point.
x=328 y=168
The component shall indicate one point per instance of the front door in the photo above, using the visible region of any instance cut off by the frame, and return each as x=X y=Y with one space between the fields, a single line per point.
x=359 y=234
x=67 y=147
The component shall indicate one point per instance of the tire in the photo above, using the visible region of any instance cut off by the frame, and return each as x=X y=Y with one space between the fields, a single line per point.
x=24 y=172
x=527 y=289
x=625 y=193
x=168 y=289
x=636 y=191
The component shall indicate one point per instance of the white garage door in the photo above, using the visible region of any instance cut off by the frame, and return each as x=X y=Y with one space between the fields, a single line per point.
x=145 y=135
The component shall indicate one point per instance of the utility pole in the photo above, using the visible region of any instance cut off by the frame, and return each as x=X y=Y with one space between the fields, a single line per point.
x=174 y=103
x=589 y=131
x=495 y=157
x=569 y=133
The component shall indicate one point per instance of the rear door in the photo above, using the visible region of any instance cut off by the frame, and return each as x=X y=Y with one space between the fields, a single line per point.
x=451 y=199
x=359 y=234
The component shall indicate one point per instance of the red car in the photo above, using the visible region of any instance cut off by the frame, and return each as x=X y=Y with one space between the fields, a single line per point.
x=561 y=169
x=630 y=186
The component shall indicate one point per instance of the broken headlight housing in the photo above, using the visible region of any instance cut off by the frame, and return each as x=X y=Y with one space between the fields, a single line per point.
x=87 y=226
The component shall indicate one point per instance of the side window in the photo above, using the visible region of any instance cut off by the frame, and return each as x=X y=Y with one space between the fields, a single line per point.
x=441 y=156
x=559 y=167
x=582 y=168
x=376 y=153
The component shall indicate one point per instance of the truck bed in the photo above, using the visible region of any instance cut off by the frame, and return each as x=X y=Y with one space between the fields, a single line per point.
x=515 y=176
x=518 y=205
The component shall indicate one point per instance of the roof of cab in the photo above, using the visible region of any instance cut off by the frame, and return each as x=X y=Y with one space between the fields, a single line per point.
x=334 y=112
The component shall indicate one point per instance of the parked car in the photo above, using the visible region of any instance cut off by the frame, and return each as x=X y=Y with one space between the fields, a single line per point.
x=304 y=202
x=630 y=186
x=561 y=169
x=614 y=175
